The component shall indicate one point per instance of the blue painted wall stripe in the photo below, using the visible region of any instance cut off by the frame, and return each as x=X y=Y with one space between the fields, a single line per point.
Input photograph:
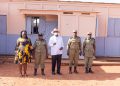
x=10 y=41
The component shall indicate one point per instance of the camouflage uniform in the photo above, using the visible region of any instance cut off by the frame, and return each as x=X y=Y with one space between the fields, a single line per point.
x=89 y=52
x=74 y=49
x=40 y=53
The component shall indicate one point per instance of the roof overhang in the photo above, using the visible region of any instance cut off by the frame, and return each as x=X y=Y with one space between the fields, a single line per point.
x=34 y=11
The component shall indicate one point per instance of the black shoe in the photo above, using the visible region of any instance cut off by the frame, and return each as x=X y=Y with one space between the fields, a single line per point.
x=59 y=73
x=53 y=73
x=90 y=70
x=42 y=72
x=75 y=70
x=86 y=70
x=35 y=72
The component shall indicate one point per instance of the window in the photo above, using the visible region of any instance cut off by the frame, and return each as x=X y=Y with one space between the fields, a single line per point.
x=35 y=25
x=67 y=12
x=84 y=13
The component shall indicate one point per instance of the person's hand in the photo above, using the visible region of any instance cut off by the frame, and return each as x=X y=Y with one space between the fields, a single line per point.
x=61 y=48
x=31 y=47
x=54 y=43
x=31 y=56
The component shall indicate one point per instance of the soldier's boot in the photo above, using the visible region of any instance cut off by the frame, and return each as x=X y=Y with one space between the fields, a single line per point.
x=70 y=70
x=35 y=72
x=42 y=72
x=75 y=70
x=86 y=70
x=90 y=70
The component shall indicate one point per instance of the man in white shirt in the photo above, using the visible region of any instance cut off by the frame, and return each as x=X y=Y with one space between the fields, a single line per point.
x=56 y=44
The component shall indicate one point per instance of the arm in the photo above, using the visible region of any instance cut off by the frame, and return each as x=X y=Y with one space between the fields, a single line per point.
x=80 y=47
x=35 y=45
x=16 y=52
x=68 y=46
x=84 y=44
x=33 y=51
x=46 y=51
x=30 y=43
x=62 y=44
x=46 y=47
x=17 y=45
x=94 y=46
x=80 y=44
x=50 y=43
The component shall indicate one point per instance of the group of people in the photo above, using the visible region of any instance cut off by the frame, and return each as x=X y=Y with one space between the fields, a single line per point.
x=75 y=48
x=39 y=50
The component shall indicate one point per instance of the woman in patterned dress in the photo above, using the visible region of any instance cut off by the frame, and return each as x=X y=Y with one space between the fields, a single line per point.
x=24 y=46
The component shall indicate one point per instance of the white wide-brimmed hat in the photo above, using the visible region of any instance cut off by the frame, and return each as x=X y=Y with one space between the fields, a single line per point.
x=89 y=33
x=74 y=31
x=55 y=30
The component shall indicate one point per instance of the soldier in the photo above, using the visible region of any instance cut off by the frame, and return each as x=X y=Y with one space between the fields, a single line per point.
x=89 y=52
x=41 y=52
x=73 y=51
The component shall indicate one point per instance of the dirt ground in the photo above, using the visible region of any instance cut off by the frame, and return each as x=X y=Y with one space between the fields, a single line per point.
x=103 y=76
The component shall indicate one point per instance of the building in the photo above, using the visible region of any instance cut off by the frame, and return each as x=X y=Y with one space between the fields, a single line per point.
x=102 y=19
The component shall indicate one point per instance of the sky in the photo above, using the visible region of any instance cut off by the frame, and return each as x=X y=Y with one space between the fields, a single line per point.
x=105 y=1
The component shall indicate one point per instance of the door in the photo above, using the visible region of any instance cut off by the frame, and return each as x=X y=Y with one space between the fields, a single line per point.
x=3 y=32
x=112 y=41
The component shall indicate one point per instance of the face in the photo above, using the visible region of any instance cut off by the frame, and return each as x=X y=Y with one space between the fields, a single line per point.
x=24 y=34
x=40 y=37
x=89 y=36
x=75 y=34
x=56 y=33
